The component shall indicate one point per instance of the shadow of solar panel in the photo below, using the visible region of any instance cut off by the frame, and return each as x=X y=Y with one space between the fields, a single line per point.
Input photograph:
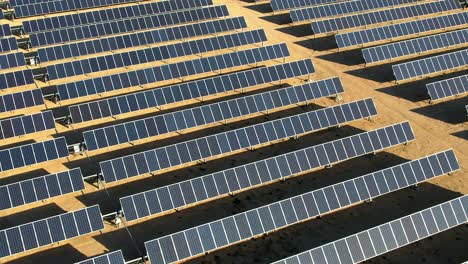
x=117 y=13
x=415 y=46
x=342 y=8
x=397 y=30
x=113 y=43
x=5 y=30
x=247 y=225
x=12 y=60
x=16 y=78
x=114 y=257
x=171 y=71
x=28 y=124
x=30 y=154
x=153 y=54
x=281 y=5
x=209 y=114
x=215 y=145
x=8 y=44
x=126 y=25
x=50 y=230
x=40 y=188
x=430 y=65
x=21 y=100
x=389 y=236
x=448 y=88
x=160 y=97
x=257 y=173
x=397 y=13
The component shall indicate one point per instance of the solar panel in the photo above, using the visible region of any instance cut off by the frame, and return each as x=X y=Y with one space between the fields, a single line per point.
x=165 y=96
x=219 y=144
x=21 y=100
x=386 y=15
x=26 y=2
x=153 y=54
x=49 y=7
x=170 y=71
x=16 y=78
x=389 y=236
x=416 y=46
x=342 y=8
x=209 y=114
x=40 y=188
x=431 y=65
x=30 y=154
x=114 y=257
x=8 y=44
x=12 y=60
x=27 y=124
x=126 y=25
x=70 y=50
x=2 y=16
x=257 y=173
x=281 y=5
x=448 y=88
x=50 y=230
x=118 y=13
x=399 y=30
x=5 y=30
x=243 y=226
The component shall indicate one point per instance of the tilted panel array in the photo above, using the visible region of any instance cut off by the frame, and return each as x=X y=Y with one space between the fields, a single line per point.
x=431 y=65
x=398 y=30
x=8 y=44
x=342 y=8
x=40 y=188
x=16 y=78
x=171 y=71
x=112 y=43
x=160 y=53
x=386 y=15
x=281 y=5
x=30 y=154
x=387 y=237
x=26 y=2
x=50 y=230
x=5 y=30
x=218 y=184
x=448 y=87
x=243 y=226
x=126 y=25
x=21 y=100
x=27 y=124
x=218 y=144
x=415 y=46
x=49 y=7
x=12 y=60
x=159 y=97
x=209 y=114
x=114 y=257
x=118 y=13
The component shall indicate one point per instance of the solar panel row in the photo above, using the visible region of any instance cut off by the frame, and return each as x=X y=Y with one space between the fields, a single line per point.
x=27 y=124
x=159 y=97
x=29 y=154
x=431 y=65
x=342 y=8
x=12 y=60
x=249 y=224
x=170 y=71
x=415 y=46
x=280 y=5
x=154 y=54
x=40 y=188
x=223 y=143
x=8 y=44
x=16 y=78
x=398 y=30
x=26 y=2
x=50 y=230
x=20 y=100
x=92 y=17
x=209 y=114
x=5 y=30
x=112 y=43
x=49 y=7
x=260 y=172
x=125 y=25
x=448 y=88
x=386 y=15
x=114 y=257
x=387 y=237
